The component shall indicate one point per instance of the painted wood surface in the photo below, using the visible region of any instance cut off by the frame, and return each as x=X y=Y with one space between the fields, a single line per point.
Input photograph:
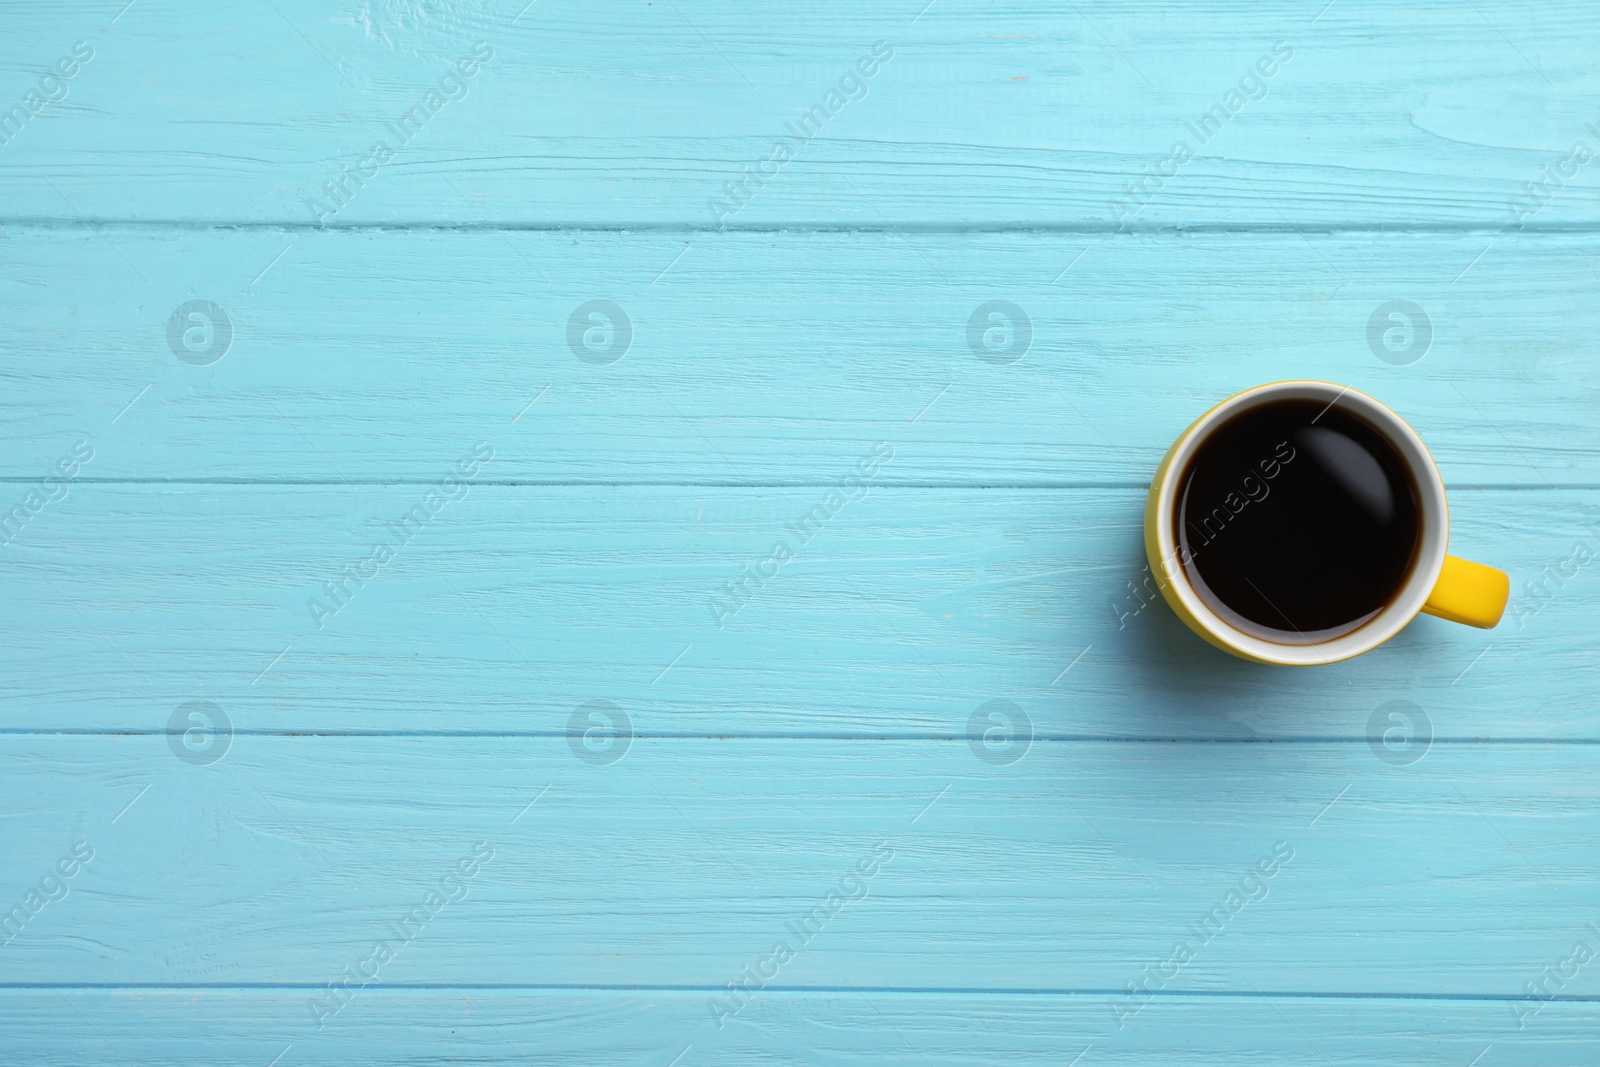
x=677 y=862
x=636 y=114
x=385 y=356
x=468 y=1024
x=898 y=617
x=953 y=707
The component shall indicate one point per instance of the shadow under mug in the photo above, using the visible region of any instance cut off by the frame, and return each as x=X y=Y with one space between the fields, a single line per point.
x=1439 y=584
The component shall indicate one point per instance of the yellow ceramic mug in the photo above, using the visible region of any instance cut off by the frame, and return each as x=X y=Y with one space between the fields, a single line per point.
x=1438 y=584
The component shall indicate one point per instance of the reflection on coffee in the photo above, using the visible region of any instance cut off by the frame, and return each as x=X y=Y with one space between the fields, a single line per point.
x=1297 y=521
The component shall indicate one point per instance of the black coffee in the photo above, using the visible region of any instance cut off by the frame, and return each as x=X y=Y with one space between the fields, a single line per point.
x=1296 y=521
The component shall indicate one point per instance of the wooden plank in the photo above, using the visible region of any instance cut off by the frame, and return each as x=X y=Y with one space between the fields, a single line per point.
x=228 y=1028
x=1070 y=870
x=1012 y=114
x=385 y=356
x=901 y=616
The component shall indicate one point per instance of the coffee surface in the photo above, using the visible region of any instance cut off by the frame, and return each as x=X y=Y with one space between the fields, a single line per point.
x=1296 y=521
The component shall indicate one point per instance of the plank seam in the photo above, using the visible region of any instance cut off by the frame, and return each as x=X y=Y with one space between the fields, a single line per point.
x=515 y=483
x=1105 y=230
x=392 y=988
x=1065 y=739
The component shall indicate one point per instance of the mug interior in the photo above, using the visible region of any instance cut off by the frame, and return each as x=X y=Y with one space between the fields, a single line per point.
x=1425 y=567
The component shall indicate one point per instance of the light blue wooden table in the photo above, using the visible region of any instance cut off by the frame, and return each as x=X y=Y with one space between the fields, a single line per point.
x=609 y=534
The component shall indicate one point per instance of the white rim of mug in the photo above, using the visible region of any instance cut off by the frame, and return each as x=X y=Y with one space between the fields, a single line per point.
x=1435 y=517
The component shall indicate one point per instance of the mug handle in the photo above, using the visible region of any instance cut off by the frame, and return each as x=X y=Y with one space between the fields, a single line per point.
x=1469 y=592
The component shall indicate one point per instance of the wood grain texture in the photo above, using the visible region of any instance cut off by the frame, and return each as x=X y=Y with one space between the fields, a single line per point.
x=384 y=356
x=470 y=1025
x=679 y=864
x=627 y=114
x=900 y=616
